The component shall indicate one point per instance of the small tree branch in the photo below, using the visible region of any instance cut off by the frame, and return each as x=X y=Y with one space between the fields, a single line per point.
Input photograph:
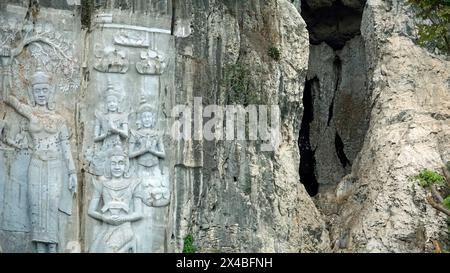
x=436 y=194
x=437 y=206
x=437 y=246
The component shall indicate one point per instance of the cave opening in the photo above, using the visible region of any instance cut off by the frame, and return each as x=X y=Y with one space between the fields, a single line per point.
x=307 y=158
x=334 y=21
x=335 y=95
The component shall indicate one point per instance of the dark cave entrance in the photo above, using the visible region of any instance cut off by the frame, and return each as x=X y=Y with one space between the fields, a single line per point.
x=307 y=160
x=332 y=21
x=336 y=23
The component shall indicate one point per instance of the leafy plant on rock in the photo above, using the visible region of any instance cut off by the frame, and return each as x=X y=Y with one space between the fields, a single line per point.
x=434 y=32
x=427 y=178
x=274 y=53
x=188 y=246
x=438 y=185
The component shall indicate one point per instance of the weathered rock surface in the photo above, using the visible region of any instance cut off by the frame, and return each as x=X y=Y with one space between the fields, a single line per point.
x=379 y=209
x=362 y=107
x=242 y=199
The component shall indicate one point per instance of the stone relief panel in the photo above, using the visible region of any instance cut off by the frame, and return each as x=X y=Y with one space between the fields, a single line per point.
x=147 y=153
x=152 y=63
x=111 y=60
x=115 y=203
x=111 y=127
x=106 y=133
x=132 y=38
x=126 y=135
x=39 y=83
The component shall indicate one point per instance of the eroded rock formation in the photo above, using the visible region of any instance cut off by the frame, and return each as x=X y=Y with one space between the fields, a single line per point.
x=362 y=109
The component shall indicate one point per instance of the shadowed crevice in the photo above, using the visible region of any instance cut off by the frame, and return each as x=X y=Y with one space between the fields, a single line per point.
x=334 y=24
x=307 y=159
x=339 y=145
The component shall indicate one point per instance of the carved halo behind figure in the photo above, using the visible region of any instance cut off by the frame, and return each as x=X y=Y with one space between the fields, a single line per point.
x=30 y=52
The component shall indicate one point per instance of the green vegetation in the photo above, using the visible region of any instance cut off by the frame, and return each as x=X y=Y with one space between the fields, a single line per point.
x=434 y=32
x=239 y=87
x=446 y=202
x=430 y=180
x=274 y=53
x=188 y=246
x=427 y=178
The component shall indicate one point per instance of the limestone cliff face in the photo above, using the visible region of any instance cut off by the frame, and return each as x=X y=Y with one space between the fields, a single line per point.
x=362 y=109
x=374 y=114
x=243 y=199
x=408 y=131
x=380 y=107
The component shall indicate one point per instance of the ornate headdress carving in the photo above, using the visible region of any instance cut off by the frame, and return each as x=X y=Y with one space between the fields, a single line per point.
x=146 y=107
x=111 y=91
x=117 y=150
x=40 y=76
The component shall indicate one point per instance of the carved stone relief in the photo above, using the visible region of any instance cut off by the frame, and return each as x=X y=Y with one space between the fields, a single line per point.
x=152 y=63
x=147 y=151
x=111 y=127
x=50 y=156
x=130 y=38
x=128 y=208
x=108 y=126
x=39 y=178
x=15 y=209
x=111 y=60
x=116 y=191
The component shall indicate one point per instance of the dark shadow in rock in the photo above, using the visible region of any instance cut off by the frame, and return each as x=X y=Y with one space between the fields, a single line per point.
x=307 y=160
x=339 y=145
x=334 y=24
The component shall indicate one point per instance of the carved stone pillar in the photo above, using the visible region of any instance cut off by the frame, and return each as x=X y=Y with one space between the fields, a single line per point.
x=129 y=72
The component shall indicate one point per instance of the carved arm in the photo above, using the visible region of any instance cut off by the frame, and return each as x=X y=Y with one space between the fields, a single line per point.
x=137 y=212
x=65 y=144
x=12 y=143
x=21 y=108
x=159 y=152
x=93 y=204
x=98 y=132
x=67 y=154
x=136 y=152
x=122 y=132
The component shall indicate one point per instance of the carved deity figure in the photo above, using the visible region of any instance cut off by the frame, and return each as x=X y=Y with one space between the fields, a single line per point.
x=116 y=204
x=147 y=149
x=20 y=141
x=152 y=63
x=51 y=161
x=111 y=126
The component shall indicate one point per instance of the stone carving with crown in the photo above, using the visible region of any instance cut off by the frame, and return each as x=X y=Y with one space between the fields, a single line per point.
x=147 y=151
x=111 y=126
x=116 y=204
x=52 y=178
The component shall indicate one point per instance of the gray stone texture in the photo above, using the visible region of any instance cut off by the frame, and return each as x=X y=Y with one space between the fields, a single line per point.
x=385 y=98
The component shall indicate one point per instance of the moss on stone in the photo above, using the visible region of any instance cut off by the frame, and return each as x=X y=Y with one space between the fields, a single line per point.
x=87 y=8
